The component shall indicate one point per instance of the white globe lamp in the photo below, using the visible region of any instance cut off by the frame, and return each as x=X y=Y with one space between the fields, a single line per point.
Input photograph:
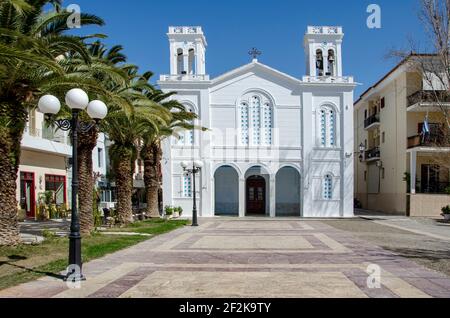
x=49 y=104
x=97 y=110
x=198 y=164
x=77 y=99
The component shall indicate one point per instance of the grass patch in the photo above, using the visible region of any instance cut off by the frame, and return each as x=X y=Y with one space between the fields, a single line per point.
x=28 y=262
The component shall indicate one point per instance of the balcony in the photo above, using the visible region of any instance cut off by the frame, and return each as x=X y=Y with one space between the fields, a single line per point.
x=47 y=141
x=372 y=121
x=430 y=100
x=432 y=140
x=373 y=154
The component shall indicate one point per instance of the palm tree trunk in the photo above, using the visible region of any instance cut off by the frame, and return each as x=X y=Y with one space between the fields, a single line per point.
x=9 y=227
x=124 y=186
x=152 y=158
x=10 y=142
x=87 y=143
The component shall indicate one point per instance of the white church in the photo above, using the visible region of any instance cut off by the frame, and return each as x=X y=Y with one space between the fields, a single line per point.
x=277 y=146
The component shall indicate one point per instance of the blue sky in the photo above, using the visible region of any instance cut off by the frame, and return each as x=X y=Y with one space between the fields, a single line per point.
x=276 y=27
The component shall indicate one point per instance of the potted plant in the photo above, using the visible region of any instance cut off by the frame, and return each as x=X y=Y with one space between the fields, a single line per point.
x=176 y=212
x=446 y=212
x=169 y=211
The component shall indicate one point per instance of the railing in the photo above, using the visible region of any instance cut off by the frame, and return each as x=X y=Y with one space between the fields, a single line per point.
x=48 y=134
x=371 y=120
x=431 y=140
x=373 y=153
x=324 y=30
x=434 y=188
x=185 y=30
x=428 y=97
x=184 y=77
x=328 y=79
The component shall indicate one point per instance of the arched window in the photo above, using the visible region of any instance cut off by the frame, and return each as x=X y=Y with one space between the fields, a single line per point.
x=268 y=117
x=192 y=65
x=328 y=127
x=328 y=187
x=319 y=62
x=244 y=118
x=256 y=120
x=332 y=128
x=187 y=186
x=187 y=137
x=331 y=63
x=323 y=128
x=180 y=61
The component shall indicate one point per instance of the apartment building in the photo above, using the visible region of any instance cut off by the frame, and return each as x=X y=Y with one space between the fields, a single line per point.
x=45 y=164
x=404 y=152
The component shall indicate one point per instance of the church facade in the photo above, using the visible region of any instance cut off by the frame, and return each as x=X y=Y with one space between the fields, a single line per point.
x=276 y=145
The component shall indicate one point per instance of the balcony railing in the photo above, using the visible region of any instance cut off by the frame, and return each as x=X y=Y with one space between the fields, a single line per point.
x=184 y=77
x=434 y=188
x=372 y=120
x=431 y=140
x=428 y=97
x=373 y=153
x=48 y=134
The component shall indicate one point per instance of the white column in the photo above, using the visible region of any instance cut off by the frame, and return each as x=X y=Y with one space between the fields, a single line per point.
x=272 y=196
x=413 y=171
x=241 y=198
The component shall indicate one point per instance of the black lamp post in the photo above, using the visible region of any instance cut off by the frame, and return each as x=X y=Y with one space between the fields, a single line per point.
x=78 y=101
x=196 y=168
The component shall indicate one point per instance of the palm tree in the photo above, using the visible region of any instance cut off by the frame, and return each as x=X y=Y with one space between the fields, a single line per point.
x=30 y=44
x=107 y=68
x=126 y=130
x=151 y=152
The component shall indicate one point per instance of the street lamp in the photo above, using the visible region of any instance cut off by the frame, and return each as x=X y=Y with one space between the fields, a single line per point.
x=196 y=168
x=77 y=100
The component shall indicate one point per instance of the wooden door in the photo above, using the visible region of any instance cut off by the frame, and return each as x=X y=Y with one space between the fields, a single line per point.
x=256 y=195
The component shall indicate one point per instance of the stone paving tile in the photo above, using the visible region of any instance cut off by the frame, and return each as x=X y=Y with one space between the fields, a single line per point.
x=322 y=261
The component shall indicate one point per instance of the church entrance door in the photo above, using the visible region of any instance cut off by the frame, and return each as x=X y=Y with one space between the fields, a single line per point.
x=256 y=195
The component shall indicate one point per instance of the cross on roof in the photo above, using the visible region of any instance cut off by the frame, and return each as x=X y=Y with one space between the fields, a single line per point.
x=254 y=53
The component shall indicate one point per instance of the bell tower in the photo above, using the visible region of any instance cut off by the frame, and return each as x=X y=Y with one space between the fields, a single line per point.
x=323 y=50
x=187 y=52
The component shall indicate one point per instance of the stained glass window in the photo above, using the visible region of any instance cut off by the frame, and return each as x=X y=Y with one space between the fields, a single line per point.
x=256 y=120
x=332 y=125
x=323 y=128
x=187 y=186
x=267 y=124
x=328 y=188
x=244 y=124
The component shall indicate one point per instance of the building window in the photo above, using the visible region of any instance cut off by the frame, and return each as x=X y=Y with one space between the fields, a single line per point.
x=100 y=157
x=365 y=175
x=383 y=137
x=383 y=103
x=323 y=128
x=328 y=127
x=382 y=173
x=267 y=124
x=332 y=125
x=244 y=123
x=187 y=137
x=187 y=186
x=256 y=122
x=56 y=184
x=328 y=187
x=365 y=114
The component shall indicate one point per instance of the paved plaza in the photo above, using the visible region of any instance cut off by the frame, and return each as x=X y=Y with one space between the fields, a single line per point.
x=248 y=258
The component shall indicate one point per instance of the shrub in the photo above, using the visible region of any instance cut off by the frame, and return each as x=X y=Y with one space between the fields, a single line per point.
x=169 y=210
x=446 y=210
